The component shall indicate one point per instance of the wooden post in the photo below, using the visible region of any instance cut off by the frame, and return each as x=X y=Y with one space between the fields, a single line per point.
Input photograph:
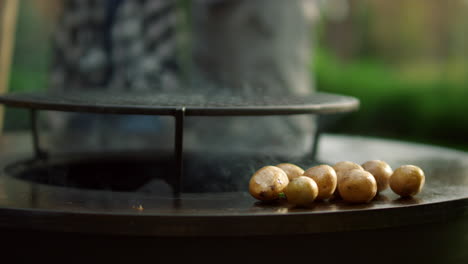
x=8 y=14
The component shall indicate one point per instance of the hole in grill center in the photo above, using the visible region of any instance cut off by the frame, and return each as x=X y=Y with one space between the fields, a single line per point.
x=203 y=172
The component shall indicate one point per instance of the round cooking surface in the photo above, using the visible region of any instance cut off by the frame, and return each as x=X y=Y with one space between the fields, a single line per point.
x=208 y=104
x=42 y=206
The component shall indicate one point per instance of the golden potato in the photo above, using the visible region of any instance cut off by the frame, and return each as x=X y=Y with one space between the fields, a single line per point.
x=326 y=179
x=293 y=171
x=358 y=186
x=301 y=191
x=267 y=183
x=407 y=180
x=381 y=172
x=341 y=168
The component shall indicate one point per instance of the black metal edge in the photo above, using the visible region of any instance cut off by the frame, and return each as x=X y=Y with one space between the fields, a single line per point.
x=283 y=110
x=155 y=225
x=225 y=224
x=326 y=108
x=82 y=108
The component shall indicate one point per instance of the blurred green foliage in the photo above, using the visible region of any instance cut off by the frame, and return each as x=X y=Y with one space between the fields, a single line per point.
x=431 y=112
x=407 y=61
x=31 y=59
x=32 y=51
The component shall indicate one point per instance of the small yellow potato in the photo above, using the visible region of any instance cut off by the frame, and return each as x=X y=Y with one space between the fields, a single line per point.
x=381 y=172
x=358 y=186
x=341 y=168
x=267 y=183
x=325 y=177
x=293 y=171
x=407 y=180
x=301 y=191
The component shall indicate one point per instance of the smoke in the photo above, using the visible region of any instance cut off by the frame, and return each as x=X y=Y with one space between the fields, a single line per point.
x=240 y=53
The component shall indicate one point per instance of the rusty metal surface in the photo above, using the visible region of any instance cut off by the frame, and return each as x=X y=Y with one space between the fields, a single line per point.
x=195 y=104
x=45 y=207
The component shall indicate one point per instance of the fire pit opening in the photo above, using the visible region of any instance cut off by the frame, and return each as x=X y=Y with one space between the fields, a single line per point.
x=204 y=172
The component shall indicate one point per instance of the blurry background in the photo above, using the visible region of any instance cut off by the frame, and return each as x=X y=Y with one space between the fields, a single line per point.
x=407 y=61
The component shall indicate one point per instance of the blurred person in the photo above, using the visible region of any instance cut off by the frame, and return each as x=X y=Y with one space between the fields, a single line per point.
x=115 y=46
x=255 y=47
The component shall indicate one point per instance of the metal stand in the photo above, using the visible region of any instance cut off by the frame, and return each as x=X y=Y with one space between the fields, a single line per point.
x=315 y=145
x=38 y=152
x=178 y=146
x=175 y=104
x=177 y=178
x=316 y=138
x=178 y=151
x=178 y=106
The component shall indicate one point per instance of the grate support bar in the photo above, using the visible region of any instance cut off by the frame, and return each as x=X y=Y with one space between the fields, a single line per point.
x=38 y=152
x=178 y=151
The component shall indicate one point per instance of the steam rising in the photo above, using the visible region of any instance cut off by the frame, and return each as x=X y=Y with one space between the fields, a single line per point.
x=238 y=49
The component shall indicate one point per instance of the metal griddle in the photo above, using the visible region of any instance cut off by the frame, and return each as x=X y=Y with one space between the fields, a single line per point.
x=41 y=206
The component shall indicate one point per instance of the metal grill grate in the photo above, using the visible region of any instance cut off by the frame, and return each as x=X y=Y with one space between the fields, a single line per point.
x=194 y=104
x=178 y=105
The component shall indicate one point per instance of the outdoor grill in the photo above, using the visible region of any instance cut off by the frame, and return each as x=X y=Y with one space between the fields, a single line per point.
x=177 y=105
x=94 y=199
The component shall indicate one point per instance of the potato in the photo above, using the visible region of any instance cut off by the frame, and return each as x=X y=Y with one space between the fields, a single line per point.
x=325 y=177
x=358 y=186
x=301 y=191
x=381 y=172
x=407 y=180
x=293 y=171
x=267 y=183
x=341 y=168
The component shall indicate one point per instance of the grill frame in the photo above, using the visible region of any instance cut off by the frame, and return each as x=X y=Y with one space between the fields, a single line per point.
x=179 y=105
